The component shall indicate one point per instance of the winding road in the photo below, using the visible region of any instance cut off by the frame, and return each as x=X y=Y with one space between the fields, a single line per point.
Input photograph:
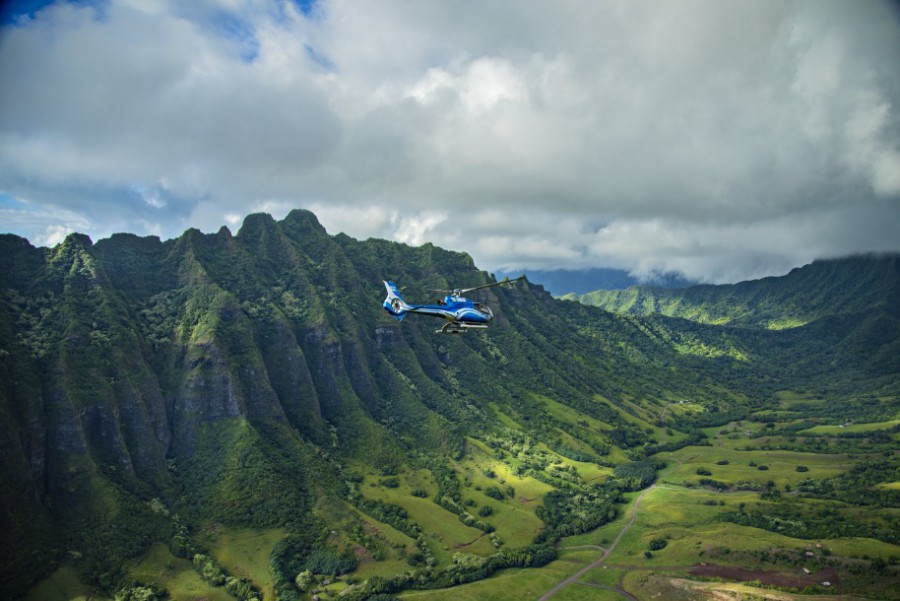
x=606 y=552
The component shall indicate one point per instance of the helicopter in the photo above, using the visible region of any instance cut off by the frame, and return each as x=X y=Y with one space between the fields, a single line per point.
x=461 y=313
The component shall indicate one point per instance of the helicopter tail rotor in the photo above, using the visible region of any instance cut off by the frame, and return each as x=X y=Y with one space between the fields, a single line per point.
x=394 y=303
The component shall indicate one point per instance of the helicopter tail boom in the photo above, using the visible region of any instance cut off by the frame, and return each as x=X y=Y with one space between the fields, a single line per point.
x=394 y=303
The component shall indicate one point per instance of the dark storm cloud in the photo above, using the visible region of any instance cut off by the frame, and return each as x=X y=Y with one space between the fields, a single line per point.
x=722 y=140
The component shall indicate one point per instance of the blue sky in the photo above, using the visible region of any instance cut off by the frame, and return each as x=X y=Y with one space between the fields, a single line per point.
x=724 y=141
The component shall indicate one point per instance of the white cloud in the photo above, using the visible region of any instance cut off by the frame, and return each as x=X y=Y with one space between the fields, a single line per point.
x=722 y=140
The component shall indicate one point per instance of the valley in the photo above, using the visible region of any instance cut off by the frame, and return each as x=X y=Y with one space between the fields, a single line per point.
x=235 y=417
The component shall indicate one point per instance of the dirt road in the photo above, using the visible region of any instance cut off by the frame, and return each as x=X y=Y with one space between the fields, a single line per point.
x=606 y=552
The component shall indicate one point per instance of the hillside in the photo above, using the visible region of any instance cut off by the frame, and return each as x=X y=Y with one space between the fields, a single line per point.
x=823 y=288
x=157 y=393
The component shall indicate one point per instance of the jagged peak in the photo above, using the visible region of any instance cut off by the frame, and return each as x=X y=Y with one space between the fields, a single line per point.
x=76 y=239
x=255 y=224
x=304 y=218
x=129 y=237
x=14 y=241
x=258 y=219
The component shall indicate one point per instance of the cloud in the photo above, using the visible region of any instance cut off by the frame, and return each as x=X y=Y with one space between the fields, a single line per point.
x=722 y=141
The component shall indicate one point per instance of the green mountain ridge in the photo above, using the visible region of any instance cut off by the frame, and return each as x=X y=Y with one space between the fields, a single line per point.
x=824 y=287
x=253 y=379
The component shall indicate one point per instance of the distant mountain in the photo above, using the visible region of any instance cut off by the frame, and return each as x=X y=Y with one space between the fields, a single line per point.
x=827 y=287
x=560 y=282
x=150 y=388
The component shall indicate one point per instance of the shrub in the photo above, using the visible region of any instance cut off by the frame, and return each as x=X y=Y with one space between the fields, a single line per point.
x=485 y=511
x=494 y=493
x=658 y=543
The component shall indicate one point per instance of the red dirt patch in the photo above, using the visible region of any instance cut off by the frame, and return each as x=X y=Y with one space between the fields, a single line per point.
x=785 y=579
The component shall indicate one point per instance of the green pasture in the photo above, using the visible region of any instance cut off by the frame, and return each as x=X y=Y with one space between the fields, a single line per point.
x=686 y=544
x=528 y=583
x=62 y=585
x=390 y=534
x=678 y=514
x=604 y=575
x=448 y=534
x=589 y=472
x=159 y=567
x=859 y=547
x=567 y=414
x=513 y=518
x=385 y=569
x=645 y=418
x=733 y=433
x=852 y=428
x=669 y=506
x=245 y=552
x=782 y=465
x=503 y=418
x=640 y=412
x=572 y=442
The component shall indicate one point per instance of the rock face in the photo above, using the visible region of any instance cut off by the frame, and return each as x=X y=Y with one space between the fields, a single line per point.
x=125 y=362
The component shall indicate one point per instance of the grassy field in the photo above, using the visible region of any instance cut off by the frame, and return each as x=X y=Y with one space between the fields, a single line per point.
x=852 y=428
x=780 y=466
x=604 y=575
x=445 y=532
x=245 y=553
x=511 y=584
x=160 y=568
x=62 y=585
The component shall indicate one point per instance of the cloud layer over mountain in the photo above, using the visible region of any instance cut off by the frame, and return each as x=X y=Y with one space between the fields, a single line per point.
x=721 y=140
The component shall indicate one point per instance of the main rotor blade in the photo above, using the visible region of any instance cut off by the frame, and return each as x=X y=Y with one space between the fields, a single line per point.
x=505 y=280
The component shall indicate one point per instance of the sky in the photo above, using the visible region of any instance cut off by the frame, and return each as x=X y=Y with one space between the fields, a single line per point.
x=723 y=141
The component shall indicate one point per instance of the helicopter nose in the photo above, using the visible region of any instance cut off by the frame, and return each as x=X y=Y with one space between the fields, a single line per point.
x=490 y=314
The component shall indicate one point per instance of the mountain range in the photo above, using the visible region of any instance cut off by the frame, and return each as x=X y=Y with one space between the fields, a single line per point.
x=245 y=378
x=560 y=282
x=827 y=287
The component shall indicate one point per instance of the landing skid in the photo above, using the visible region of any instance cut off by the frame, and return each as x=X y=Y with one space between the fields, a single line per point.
x=460 y=328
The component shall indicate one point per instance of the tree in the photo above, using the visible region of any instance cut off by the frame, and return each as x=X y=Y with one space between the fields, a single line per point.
x=303 y=580
x=137 y=593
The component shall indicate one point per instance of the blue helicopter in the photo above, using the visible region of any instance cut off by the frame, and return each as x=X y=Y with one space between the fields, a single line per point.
x=461 y=313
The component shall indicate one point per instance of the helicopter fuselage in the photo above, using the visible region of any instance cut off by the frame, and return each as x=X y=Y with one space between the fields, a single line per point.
x=460 y=312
